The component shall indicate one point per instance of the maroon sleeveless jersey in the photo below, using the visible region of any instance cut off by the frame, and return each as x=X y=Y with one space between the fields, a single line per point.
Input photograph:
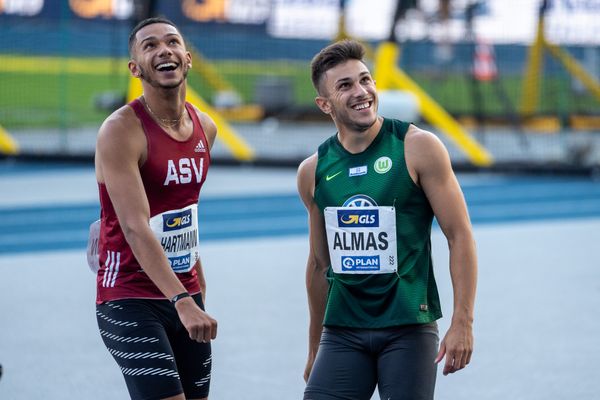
x=172 y=175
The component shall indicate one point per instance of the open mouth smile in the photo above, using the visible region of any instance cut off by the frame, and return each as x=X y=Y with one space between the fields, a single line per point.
x=362 y=106
x=166 y=66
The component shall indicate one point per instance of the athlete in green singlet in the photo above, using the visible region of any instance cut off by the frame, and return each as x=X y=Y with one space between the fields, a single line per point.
x=371 y=192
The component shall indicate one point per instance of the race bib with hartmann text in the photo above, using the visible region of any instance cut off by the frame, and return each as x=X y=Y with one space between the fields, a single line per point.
x=177 y=233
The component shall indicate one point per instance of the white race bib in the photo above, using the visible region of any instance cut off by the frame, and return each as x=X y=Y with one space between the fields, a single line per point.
x=93 y=259
x=177 y=232
x=362 y=240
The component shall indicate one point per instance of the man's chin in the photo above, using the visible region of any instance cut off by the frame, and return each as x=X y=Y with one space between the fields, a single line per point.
x=171 y=86
x=364 y=125
x=167 y=85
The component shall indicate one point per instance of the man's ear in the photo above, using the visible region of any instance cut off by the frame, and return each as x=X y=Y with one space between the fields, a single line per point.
x=323 y=104
x=134 y=69
x=188 y=58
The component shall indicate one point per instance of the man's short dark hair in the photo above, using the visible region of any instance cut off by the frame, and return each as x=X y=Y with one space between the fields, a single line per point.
x=144 y=23
x=333 y=55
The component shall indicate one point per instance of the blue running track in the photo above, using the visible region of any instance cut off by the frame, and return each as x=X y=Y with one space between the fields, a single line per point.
x=62 y=227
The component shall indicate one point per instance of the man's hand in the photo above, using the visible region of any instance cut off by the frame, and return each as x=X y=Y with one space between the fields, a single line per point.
x=309 y=365
x=200 y=326
x=457 y=346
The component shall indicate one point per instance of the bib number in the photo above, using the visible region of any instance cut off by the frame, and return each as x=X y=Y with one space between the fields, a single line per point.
x=362 y=240
x=177 y=233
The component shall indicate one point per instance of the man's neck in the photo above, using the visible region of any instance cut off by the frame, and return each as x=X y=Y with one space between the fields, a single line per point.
x=166 y=103
x=355 y=141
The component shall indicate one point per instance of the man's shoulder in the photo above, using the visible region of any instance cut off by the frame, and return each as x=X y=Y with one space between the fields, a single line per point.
x=308 y=164
x=425 y=151
x=122 y=119
x=122 y=133
x=207 y=123
x=306 y=178
x=202 y=116
x=421 y=139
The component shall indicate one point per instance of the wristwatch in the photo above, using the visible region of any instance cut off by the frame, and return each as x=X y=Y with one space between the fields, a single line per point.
x=179 y=296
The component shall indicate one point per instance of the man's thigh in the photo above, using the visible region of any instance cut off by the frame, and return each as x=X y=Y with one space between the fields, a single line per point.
x=406 y=367
x=194 y=360
x=343 y=369
x=135 y=334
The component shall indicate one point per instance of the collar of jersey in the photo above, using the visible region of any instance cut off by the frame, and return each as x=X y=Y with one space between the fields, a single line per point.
x=376 y=140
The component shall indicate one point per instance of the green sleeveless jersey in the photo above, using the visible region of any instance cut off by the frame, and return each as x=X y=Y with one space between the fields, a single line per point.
x=379 y=177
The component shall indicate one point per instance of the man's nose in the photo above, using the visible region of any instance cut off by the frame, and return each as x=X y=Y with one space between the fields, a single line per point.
x=360 y=90
x=164 y=50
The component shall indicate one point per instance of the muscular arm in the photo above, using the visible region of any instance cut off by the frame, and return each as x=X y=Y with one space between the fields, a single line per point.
x=318 y=260
x=208 y=125
x=430 y=166
x=120 y=151
x=210 y=130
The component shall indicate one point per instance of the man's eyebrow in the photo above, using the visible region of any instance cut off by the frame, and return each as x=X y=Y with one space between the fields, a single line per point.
x=153 y=37
x=344 y=79
x=147 y=39
x=347 y=78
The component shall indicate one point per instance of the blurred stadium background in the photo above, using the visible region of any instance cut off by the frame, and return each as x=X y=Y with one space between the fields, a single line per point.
x=518 y=79
x=505 y=89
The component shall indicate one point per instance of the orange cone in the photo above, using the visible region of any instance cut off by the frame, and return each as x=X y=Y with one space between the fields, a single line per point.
x=484 y=64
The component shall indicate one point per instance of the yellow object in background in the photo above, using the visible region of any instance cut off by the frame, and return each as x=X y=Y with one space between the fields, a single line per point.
x=388 y=76
x=8 y=145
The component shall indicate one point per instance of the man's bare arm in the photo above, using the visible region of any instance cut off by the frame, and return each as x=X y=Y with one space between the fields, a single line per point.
x=318 y=260
x=430 y=164
x=210 y=131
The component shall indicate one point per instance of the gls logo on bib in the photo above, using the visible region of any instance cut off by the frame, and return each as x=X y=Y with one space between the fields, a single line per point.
x=178 y=220
x=358 y=218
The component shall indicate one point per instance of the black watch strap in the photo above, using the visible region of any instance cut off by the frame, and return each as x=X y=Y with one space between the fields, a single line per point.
x=179 y=296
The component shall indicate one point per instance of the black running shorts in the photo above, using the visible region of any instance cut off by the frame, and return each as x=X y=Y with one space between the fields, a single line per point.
x=153 y=349
x=399 y=361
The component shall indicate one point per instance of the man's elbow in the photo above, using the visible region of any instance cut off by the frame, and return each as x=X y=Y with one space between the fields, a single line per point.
x=134 y=231
x=462 y=237
x=317 y=265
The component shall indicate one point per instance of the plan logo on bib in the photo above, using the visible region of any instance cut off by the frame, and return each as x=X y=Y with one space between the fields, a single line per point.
x=360 y=263
x=382 y=165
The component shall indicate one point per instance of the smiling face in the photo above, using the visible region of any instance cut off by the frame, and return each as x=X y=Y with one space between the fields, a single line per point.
x=159 y=56
x=347 y=93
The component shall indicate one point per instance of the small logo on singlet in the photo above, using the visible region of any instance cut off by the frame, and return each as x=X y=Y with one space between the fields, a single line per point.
x=357 y=171
x=200 y=147
x=382 y=165
x=330 y=177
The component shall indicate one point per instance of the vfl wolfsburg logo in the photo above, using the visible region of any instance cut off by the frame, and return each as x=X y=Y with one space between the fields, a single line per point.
x=382 y=165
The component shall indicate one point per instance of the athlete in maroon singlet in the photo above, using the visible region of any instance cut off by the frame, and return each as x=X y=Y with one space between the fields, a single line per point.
x=172 y=176
x=152 y=157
